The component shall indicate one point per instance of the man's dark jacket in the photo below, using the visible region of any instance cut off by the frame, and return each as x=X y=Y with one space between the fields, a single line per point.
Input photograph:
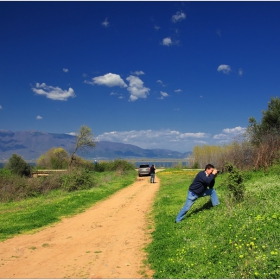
x=201 y=182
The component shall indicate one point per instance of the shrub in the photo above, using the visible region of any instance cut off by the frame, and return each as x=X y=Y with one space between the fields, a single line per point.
x=17 y=165
x=234 y=181
x=55 y=158
x=118 y=165
x=77 y=179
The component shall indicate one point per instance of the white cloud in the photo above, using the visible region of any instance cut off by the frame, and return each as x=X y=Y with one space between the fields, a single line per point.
x=65 y=70
x=224 y=68
x=105 y=23
x=170 y=139
x=163 y=94
x=228 y=134
x=178 y=17
x=54 y=93
x=152 y=139
x=38 y=117
x=136 y=88
x=235 y=130
x=220 y=136
x=178 y=90
x=72 y=133
x=109 y=80
x=167 y=41
x=138 y=73
x=0 y=107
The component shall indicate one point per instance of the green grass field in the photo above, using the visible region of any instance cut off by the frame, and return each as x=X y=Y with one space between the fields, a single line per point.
x=232 y=240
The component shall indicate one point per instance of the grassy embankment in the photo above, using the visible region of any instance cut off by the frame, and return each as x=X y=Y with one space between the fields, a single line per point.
x=33 y=213
x=232 y=240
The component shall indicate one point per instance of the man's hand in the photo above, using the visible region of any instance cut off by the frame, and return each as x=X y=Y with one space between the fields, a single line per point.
x=215 y=171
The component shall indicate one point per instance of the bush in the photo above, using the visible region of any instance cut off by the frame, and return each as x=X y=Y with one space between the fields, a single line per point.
x=77 y=179
x=234 y=181
x=55 y=158
x=118 y=165
x=17 y=165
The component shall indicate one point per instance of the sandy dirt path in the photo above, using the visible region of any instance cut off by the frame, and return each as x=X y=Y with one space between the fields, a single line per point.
x=106 y=241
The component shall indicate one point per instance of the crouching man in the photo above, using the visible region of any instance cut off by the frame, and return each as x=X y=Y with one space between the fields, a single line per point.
x=202 y=185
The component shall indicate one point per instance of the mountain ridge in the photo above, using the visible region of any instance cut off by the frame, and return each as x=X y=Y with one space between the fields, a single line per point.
x=31 y=144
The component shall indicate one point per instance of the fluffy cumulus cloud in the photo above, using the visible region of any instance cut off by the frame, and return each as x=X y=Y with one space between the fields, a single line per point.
x=224 y=68
x=0 y=107
x=135 y=85
x=229 y=134
x=136 y=88
x=38 y=117
x=65 y=70
x=167 y=41
x=179 y=16
x=54 y=93
x=109 y=80
x=235 y=130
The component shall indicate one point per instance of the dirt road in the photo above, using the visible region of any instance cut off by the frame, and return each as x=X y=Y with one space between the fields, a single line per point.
x=106 y=241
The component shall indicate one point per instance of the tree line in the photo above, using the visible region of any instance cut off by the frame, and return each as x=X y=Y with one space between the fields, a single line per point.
x=258 y=147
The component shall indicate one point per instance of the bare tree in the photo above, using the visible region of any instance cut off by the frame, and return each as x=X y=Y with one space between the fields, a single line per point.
x=84 y=141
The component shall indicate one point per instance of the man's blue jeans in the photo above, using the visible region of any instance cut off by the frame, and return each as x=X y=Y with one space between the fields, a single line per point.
x=192 y=197
x=152 y=179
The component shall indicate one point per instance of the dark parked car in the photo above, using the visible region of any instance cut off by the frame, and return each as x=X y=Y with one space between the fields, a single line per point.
x=144 y=169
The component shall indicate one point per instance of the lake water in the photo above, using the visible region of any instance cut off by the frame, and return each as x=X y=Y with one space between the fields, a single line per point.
x=159 y=163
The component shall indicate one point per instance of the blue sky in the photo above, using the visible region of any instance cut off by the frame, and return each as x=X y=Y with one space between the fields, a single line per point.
x=154 y=74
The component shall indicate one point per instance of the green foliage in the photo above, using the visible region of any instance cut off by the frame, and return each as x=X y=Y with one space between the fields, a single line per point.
x=55 y=158
x=220 y=242
x=77 y=179
x=234 y=181
x=269 y=124
x=117 y=165
x=195 y=165
x=17 y=165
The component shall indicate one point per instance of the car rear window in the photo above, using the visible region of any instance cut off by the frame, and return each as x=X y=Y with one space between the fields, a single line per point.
x=144 y=165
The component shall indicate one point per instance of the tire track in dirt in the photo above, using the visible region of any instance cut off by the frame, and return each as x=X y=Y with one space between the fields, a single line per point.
x=106 y=241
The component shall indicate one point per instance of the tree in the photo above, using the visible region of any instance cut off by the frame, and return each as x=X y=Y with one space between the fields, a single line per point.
x=84 y=141
x=265 y=135
x=270 y=122
x=18 y=166
x=55 y=158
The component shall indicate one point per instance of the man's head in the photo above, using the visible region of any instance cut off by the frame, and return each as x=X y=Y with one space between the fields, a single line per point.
x=209 y=168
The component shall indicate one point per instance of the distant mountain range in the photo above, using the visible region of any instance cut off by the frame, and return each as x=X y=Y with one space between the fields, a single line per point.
x=32 y=144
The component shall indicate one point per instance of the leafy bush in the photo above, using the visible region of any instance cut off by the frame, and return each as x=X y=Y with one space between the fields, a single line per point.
x=116 y=165
x=234 y=181
x=17 y=165
x=55 y=158
x=77 y=179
